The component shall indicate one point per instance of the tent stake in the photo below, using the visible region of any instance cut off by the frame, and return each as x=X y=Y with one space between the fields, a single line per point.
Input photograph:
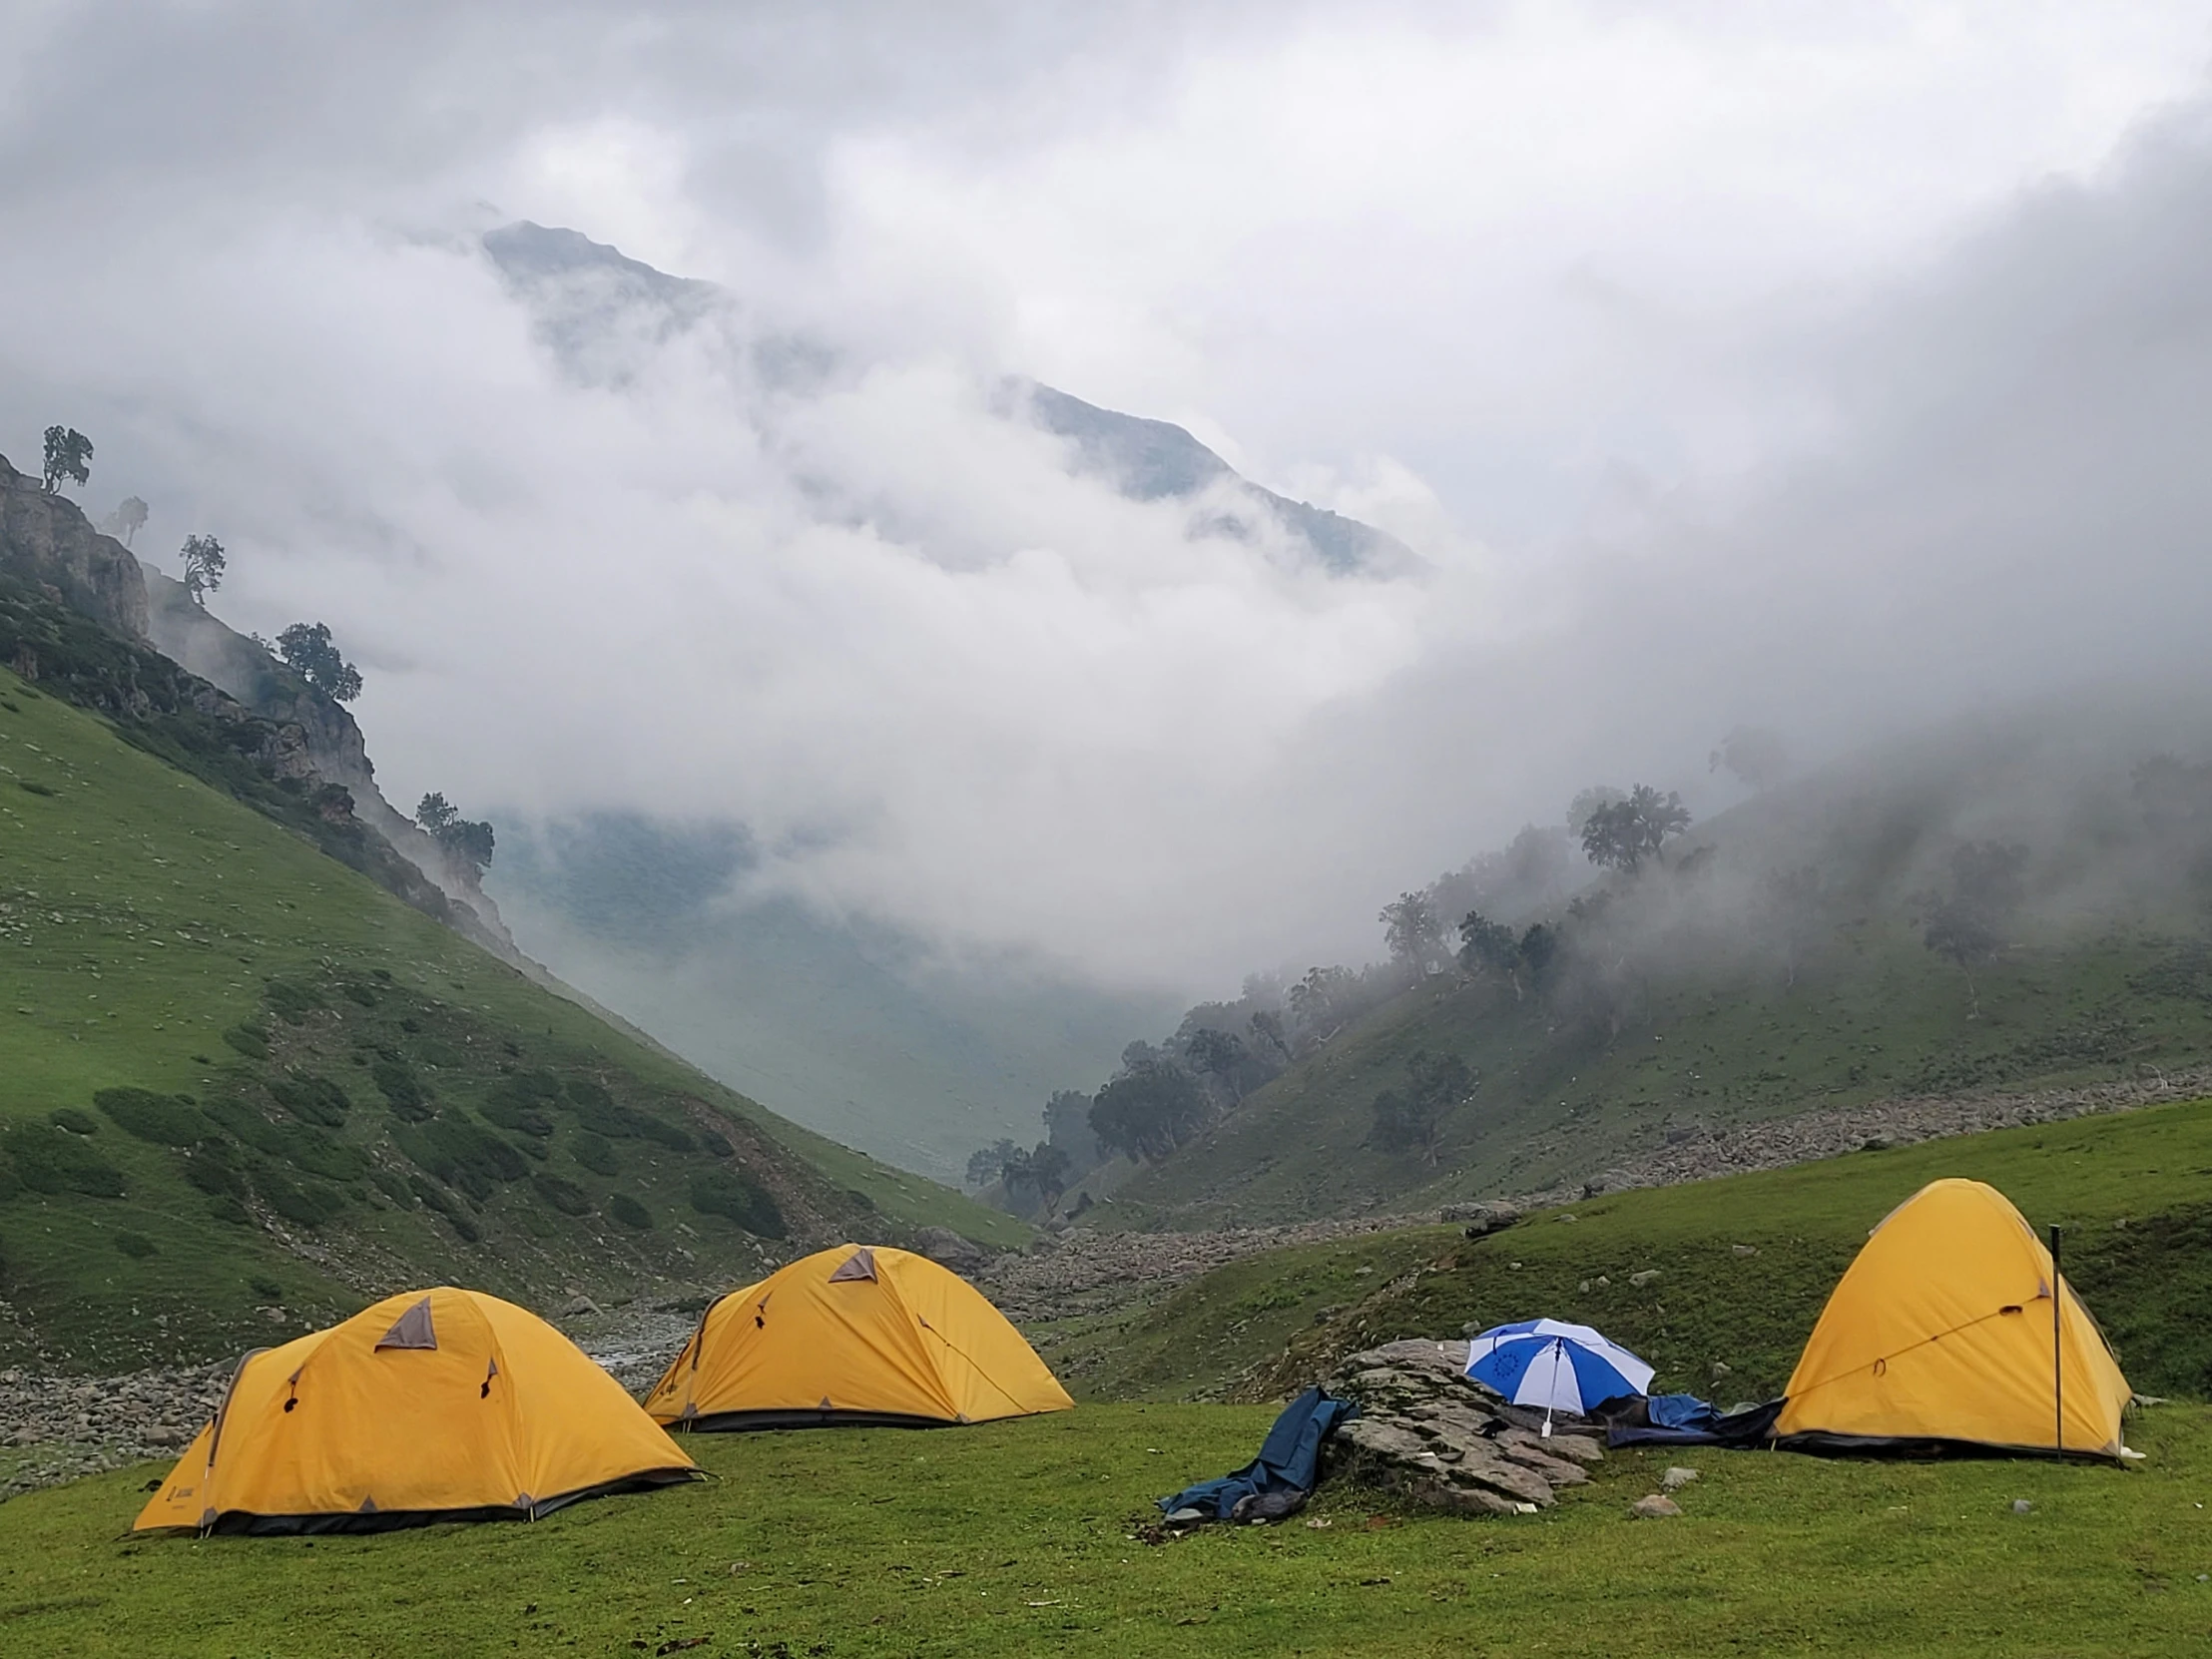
x=2057 y=1347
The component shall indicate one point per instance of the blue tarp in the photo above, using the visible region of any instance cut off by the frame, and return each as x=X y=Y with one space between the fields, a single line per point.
x=1684 y=1420
x=1277 y=1480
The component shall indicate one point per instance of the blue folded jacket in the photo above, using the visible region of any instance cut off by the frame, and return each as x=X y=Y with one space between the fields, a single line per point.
x=1276 y=1483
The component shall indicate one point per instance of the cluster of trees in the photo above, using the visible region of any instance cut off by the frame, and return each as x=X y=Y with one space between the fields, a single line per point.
x=1411 y=1119
x=1040 y=1174
x=462 y=838
x=1042 y=1171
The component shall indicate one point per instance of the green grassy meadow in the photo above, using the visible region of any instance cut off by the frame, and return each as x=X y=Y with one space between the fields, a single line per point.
x=1021 y=1539
x=158 y=935
x=1034 y=1535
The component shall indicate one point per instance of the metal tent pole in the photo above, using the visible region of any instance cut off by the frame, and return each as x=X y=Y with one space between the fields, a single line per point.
x=2057 y=1346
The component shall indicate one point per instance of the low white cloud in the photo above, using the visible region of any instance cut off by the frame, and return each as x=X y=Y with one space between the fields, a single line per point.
x=1715 y=370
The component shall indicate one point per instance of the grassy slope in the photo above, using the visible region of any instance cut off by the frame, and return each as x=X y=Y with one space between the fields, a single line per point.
x=1015 y=1538
x=1874 y=1016
x=142 y=914
x=2132 y=1190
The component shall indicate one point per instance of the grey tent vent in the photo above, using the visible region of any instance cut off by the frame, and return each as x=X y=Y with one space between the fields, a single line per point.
x=859 y=1265
x=410 y=1330
x=368 y=1507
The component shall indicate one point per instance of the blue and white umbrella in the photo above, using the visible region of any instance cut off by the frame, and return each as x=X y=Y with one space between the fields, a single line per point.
x=1561 y=1367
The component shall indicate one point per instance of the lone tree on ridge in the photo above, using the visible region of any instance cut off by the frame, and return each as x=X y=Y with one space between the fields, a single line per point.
x=1622 y=833
x=204 y=562
x=68 y=456
x=309 y=650
x=128 y=519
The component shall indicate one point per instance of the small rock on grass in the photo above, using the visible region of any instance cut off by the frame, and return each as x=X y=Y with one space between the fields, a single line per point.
x=1654 y=1507
x=2021 y=1507
x=1676 y=1478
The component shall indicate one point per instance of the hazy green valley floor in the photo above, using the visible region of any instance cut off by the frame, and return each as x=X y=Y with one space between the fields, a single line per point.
x=1016 y=1538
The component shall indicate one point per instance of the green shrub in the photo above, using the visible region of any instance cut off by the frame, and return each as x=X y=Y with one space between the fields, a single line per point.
x=75 y=1119
x=598 y=1114
x=250 y=1040
x=303 y=1202
x=393 y=1185
x=661 y=1133
x=717 y=1144
x=320 y=1152
x=211 y=1170
x=736 y=1196
x=267 y=1289
x=231 y=1211
x=460 y=1154
x=410 y=1101
x=135 y=1245
x=588 y=1093
x=630 y=1212
x=596 y=1153
x=311 y=1098
x=249 y=1124
x=36 y=788
x=355 y=991
x=528 y=1088
x=292 y=1002
x=564 y=1196
x=512 y=1114
x=50 y=1160
x=161 y=1118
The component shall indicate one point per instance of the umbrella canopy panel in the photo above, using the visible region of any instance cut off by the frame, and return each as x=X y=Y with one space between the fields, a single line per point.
x=1555 y=1365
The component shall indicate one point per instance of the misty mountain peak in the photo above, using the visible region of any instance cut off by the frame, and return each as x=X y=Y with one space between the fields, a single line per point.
x=595 y=304
x=528 y=253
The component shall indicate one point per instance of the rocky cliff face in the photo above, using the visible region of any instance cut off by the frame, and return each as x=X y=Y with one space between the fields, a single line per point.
x=46 y=541
x=218 y=654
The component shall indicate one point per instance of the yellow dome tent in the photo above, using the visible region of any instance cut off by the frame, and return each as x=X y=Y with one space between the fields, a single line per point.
x=431 y=1406
x=854 y=1336
x=1941 y=1332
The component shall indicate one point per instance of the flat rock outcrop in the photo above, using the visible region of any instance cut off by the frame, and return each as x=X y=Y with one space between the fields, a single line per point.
x=1427 y=1435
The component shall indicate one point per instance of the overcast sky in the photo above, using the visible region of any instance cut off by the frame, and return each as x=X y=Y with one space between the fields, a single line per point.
x=1830 y=365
